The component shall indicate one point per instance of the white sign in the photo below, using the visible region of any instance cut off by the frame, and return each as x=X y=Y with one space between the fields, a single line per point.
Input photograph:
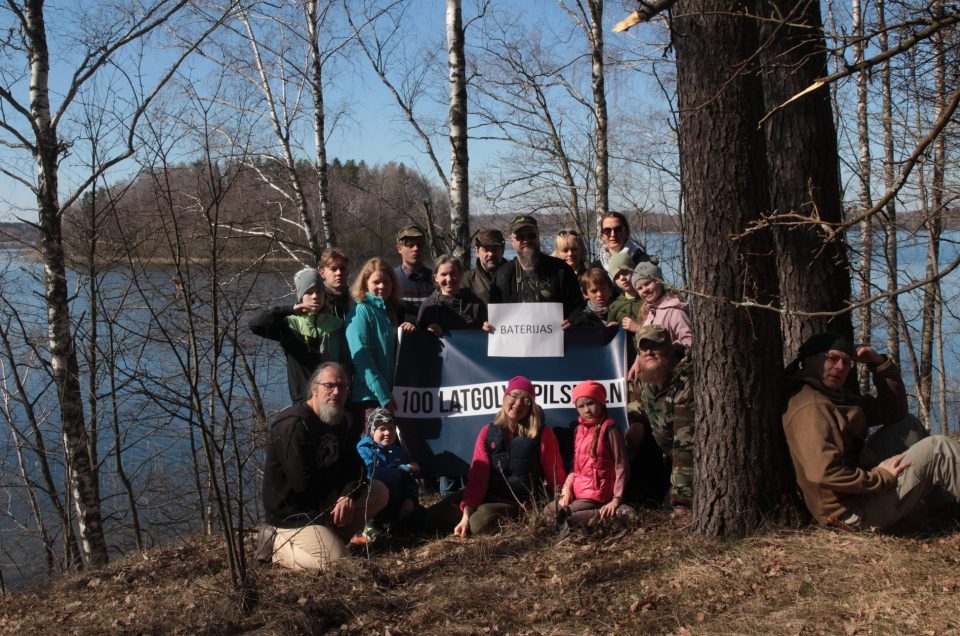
x=525 y=330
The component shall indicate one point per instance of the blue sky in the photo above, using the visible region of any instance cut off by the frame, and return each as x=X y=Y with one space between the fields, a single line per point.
x=375 y=131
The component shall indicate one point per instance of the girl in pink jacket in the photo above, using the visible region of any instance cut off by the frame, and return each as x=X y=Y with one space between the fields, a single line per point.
x=662 y=307
x=601 y=470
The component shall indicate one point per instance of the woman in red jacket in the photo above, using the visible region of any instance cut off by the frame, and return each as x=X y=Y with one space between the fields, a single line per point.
x=512 y=458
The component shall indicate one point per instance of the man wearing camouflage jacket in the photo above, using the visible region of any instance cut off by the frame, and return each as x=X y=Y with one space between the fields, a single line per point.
x=664 y=392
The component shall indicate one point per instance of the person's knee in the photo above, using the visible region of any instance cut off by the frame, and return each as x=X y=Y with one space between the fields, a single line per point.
x=379 y=496
x=308 y=548
x=944 y=446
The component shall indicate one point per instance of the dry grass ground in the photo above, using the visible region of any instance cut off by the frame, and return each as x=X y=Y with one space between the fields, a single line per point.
x=651 y=578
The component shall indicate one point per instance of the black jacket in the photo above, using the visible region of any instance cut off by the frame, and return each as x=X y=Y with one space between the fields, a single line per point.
x=308 y=464
x=463 y=310
x=554 y=282
x=304 y=354
x=479 y=280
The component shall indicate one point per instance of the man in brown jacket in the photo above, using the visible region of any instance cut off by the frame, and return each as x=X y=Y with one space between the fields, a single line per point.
x=846 y=479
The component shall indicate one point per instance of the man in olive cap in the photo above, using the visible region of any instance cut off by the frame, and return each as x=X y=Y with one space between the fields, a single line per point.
x=415 y=278
x=488 y=245
x=848 y=480
x=534 y=277
x=664 y=393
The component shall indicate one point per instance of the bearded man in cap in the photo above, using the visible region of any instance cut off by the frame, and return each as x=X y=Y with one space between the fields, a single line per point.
x=664 y=393
x=534 y=277
x=848 y=480
x=488 y=245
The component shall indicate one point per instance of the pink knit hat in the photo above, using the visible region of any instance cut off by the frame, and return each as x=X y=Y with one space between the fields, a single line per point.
x=590 y=389
x=521 y=383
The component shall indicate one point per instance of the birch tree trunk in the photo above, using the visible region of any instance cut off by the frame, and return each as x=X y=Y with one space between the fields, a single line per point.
x=924 y=362
x=282 y=132
x=599 y=109
x=866 y=197
x=319 y=133
x=740 y=459
x=890 y=210
x=933 y=222
x=459 y=158
x=63 y=354
x=814 y=275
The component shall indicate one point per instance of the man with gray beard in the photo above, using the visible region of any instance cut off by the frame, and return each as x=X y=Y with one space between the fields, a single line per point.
x=314 y=486
x=534 y=277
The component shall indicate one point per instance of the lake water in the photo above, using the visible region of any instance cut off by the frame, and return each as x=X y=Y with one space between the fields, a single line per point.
x=155 y=354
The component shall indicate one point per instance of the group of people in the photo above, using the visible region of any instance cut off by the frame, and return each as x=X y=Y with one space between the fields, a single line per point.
x=335 y=472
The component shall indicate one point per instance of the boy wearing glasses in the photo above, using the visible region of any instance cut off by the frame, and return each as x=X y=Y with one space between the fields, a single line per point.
x=847 y=479
x=534 y=277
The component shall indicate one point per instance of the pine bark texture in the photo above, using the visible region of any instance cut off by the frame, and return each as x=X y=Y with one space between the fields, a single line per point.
x=63 y=353
x=740 y=460
x=804 y=172
x=459 y=158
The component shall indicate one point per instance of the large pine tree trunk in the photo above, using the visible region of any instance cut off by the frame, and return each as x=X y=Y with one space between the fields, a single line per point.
x=459 y=159
x=63 y=353
x=741 y=460
x=804 y=180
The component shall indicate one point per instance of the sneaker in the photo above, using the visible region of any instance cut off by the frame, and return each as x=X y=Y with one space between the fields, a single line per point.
x=372 y=532
x=358 y=541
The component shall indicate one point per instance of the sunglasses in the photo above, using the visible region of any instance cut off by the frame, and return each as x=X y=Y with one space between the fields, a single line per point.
x=568 y=233
x=617 y=229
x=525 y=236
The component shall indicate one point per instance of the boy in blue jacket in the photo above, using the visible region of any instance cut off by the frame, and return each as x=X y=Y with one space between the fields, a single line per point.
x=388 y=462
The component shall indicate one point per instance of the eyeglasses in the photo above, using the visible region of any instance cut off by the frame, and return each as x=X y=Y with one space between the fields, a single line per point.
x=333 y=386
x=616 y=229
x=568 y=233
x=523 y=237
x=522 y=399
x=840 y=361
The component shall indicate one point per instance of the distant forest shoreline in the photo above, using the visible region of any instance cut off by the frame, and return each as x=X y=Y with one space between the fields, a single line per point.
x=16 y=234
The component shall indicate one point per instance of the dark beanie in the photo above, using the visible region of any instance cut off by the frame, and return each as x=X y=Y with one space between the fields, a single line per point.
x=821 y=343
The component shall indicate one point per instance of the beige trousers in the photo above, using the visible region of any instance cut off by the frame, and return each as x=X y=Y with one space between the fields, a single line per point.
x=934 y=470
x=315 y=547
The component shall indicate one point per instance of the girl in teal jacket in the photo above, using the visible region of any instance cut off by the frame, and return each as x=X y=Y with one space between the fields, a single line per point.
x=371 y=334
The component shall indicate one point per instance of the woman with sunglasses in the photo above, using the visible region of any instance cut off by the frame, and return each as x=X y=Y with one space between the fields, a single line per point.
x=615 y=239
x=569 y=248
x=511 y=459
